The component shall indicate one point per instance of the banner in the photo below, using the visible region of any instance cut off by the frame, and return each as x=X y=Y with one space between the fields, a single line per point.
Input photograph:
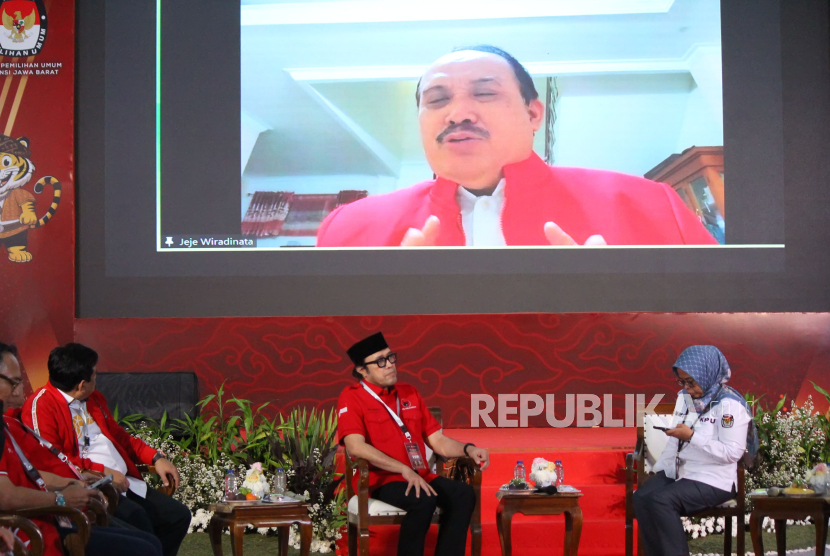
x=37 y=224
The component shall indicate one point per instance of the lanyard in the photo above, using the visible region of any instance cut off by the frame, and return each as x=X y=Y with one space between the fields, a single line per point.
x=84 y=428
x=49 y=446
x=681 y=443
x=392 y=413
x=31 y=472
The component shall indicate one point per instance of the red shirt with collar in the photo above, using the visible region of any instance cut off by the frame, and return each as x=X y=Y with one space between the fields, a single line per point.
x=40 y=456
x=47 y=412
x=12 y=467
x=623 y=209
x=359 y=413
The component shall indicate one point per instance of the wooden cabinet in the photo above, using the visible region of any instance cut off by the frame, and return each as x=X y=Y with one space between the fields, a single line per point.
x=697 y=176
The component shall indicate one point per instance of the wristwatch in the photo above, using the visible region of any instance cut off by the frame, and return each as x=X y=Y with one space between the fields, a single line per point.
x=158 y=456
x=59 y=499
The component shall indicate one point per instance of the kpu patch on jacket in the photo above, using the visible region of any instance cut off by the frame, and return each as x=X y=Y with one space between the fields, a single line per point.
x=727 y=421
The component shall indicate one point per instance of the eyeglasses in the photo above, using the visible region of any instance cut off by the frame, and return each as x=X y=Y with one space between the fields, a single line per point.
x=13 y=382
x=687 y=383
x=381 y=361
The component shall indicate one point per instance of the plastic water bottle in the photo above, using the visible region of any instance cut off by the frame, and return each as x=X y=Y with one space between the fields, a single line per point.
x=560 y=473
x=519 y=472
x=279 y=483
x=231 y=488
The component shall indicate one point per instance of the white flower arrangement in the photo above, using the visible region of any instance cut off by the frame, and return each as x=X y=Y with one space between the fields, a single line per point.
x=202 y=484
x=818 y=478
x=543 y=472
x=256 y=482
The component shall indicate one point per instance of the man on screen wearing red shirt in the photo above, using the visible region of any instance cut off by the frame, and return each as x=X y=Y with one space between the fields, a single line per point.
x=387 y=423
x=478 y=111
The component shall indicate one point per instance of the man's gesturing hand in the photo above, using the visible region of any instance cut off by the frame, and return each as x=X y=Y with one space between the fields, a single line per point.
x=163 y=467
x=418 y=482
x=556 y=236
x=425 y=237
x=480 y=456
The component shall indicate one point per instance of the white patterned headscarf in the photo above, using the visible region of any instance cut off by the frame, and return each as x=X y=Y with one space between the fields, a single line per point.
x=708 y=366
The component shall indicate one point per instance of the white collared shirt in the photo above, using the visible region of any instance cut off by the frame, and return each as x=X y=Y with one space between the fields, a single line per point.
x=718 y=443
x=481 y=216
x=101 y=448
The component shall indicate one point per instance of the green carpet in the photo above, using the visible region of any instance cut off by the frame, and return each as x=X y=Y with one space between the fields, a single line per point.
x=198 y=544
x=797 y=537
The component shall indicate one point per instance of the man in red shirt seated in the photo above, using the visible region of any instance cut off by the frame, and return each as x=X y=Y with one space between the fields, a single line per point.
x=70 y=414
x=386 y=423
x=22 y=486
x=478 y=111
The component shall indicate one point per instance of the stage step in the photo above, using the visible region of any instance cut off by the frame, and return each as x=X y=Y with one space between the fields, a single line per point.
x=544 y=535
x=594 y=461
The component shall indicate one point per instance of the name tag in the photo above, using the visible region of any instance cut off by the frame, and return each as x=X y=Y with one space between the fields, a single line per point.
x=415 y=459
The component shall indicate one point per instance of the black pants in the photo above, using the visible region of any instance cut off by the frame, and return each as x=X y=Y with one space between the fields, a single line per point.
x=126 y=541
x=161 y=515
x=660 y=502
x=105 y=541
x=457 y=501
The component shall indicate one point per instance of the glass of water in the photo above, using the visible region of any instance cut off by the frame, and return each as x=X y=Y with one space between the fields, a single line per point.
x=279 y=484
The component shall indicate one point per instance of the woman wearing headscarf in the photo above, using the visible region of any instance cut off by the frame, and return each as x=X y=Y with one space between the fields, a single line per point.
x=698 y=468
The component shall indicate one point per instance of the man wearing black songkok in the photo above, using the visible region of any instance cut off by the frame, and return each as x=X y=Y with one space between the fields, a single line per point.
x=388 y=423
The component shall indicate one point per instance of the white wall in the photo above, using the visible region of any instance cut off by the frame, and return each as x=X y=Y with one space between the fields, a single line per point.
x=630 y=123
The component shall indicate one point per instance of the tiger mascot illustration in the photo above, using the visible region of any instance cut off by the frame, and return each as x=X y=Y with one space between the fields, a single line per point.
x=17 y=206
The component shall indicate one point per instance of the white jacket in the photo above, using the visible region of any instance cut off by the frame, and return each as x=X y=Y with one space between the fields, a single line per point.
x=718 y=443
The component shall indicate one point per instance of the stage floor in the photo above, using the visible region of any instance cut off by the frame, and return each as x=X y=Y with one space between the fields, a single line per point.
x=547 y=439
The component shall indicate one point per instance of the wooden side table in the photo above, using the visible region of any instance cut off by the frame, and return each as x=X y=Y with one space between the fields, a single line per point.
x=782 y=508
x=237 y=515
x=539 y=504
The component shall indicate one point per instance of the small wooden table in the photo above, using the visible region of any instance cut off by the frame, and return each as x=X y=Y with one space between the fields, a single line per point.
x=236 y=516
x=782 y=508
x=527 y=503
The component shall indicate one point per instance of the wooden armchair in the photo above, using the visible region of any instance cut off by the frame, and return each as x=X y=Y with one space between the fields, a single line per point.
x=361 y=516
x=75 y=543
x=637 y=471
x=35 y=547
x=151 y=470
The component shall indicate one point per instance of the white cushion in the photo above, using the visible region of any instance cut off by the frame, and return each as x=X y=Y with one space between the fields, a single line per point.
x=655 y=440
x=376 y=507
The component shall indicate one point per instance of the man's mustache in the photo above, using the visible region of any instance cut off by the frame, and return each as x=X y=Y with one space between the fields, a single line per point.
x=463 y=126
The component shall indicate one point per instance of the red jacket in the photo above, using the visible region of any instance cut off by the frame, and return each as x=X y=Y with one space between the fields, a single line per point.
x=45 y=460
x=47 y=412
x=625 y=210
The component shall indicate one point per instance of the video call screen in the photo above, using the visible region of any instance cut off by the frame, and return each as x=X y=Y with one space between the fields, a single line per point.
x=335 y=152
x=343 y=145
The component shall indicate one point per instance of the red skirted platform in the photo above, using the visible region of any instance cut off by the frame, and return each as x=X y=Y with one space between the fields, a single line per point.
x=594 y=461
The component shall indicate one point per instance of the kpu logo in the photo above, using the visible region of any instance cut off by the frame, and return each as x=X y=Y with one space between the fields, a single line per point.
x=24 y=27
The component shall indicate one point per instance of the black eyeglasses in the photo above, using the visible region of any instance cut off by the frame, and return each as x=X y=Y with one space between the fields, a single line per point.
x=381 y=361
x=687 y=383
x=13 y=382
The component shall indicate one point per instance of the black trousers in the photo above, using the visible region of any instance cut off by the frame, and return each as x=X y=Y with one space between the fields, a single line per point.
x=660 y=502
x=105 y=541
x=161 y=515
x=124 y=540
x=457 y=501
